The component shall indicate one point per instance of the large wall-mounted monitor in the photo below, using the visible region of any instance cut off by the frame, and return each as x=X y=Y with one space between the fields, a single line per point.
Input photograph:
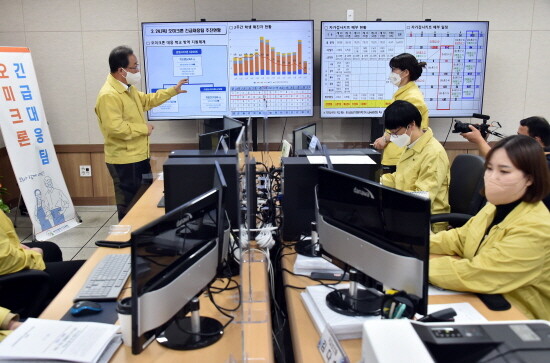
x=355 y=65
x=239 y=69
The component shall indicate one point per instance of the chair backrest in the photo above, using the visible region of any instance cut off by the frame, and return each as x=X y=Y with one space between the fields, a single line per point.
x=25 y=292
x=466 y=183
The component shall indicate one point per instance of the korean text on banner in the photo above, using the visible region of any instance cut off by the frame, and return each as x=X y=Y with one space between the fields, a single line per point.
x=30 y=148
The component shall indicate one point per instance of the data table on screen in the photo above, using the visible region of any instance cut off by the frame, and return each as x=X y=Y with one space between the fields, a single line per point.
x=355 y=66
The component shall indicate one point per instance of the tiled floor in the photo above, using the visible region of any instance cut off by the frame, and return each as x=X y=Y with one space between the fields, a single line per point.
x=76 y=243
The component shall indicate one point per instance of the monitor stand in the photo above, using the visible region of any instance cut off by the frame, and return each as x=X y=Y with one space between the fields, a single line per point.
x=309 y=248
x=192 y=332
x=354 y=301
x=306 y=248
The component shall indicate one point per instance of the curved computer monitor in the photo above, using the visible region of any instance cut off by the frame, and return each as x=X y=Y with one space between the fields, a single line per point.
x=381 y=232
x=173 y=259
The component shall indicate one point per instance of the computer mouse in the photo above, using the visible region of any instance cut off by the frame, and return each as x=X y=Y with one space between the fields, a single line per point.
x=81 y=308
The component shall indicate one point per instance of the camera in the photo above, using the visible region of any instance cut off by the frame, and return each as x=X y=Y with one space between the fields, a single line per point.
x=463 y=127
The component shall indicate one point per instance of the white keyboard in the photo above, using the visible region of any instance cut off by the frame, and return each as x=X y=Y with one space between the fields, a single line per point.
x=107 y=279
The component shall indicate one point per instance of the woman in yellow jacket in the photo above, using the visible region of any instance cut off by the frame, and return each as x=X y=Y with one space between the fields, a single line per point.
x=505 y=248
x=405 y=70
x=16 y=256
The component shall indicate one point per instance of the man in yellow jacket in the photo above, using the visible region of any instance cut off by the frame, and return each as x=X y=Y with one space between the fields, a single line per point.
x=8 y=322
x=120 y=111
x=424 y=166
x=405 y=70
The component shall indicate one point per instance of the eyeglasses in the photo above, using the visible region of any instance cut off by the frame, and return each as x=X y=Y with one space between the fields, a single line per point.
x=136 y=68
x=395 y=132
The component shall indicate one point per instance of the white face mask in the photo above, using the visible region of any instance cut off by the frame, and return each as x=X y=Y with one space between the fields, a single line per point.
x=395 y=78
x=133 y=78
x=401 y=140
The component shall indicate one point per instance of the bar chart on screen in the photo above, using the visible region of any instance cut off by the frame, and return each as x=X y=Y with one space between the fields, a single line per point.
x=238 y=69
x=269 y=66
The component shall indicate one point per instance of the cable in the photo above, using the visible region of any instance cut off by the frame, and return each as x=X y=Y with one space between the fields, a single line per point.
x=449 y=132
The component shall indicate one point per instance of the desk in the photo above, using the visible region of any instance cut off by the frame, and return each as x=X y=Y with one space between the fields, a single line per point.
x=305 y=336
x=255 y=337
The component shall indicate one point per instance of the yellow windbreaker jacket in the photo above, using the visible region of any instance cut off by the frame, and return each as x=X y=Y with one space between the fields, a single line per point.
x=424 y=167
x=5 y=317
x=13 y=257
x=410 y=93
x=120 y=112
x=513 y=259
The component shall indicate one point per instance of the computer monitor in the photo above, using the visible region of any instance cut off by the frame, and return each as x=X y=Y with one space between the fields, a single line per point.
x=246 y=172
x=173 y=259
x=299 y=137
x=213 y=140
x=224 y=226
x=381 y=232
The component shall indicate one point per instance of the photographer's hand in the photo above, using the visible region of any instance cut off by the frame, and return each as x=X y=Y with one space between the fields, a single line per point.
x=475 y=137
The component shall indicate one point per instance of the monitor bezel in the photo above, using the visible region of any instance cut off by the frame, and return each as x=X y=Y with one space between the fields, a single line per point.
x=252 y=22
x=428 y=22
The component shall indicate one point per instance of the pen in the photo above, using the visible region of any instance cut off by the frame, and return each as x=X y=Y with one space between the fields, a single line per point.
x=392 y=307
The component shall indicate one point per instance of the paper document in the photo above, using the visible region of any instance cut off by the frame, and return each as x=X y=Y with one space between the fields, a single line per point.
x=434 y=290
x=48 y=340
x=340 y=159
x=344 y=327
x=306 y=265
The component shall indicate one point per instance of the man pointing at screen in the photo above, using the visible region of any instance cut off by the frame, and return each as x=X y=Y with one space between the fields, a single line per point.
x=120 y=111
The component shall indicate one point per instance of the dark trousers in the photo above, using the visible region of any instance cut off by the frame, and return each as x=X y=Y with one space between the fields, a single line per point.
x=127 y=179
x=60 y=271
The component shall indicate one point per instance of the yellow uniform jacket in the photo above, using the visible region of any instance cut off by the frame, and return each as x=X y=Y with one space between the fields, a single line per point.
x=13 y=257
x=513 y=259
x=5 y=317
x=410 y=93
x=424 y=167
x=120 y=112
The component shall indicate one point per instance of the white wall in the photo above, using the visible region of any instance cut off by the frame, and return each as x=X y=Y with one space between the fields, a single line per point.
x=70 y=41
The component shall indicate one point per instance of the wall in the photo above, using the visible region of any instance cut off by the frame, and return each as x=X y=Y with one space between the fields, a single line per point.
x=70 y=41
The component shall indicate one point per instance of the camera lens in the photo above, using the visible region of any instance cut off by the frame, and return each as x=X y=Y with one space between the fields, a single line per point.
x=461 y=127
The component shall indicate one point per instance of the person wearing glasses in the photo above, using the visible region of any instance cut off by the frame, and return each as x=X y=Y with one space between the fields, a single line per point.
x=405 y=70
x=120 y=111
x=424 y=165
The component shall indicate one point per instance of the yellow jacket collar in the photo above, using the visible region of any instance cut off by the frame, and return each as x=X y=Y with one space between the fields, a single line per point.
x=404 y=89
x=522 y=209
x=422 y=140
x=116 y=84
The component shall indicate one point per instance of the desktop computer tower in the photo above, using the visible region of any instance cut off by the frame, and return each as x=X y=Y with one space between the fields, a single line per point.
x=299 y=181
x=186 y=178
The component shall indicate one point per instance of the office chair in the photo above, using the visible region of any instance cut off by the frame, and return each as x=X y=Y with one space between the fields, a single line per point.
x=464 y=190
x=25 y=292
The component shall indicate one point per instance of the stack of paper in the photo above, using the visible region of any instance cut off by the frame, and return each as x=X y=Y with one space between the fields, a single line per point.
x=306 y=265
x=344 y=327
x=350 y=327
x=41 y=340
